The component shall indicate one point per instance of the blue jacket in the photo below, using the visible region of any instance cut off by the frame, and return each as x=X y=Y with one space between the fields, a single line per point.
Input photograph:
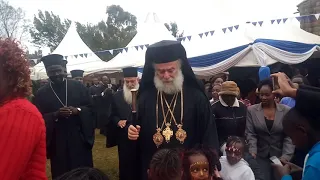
x=312 y=167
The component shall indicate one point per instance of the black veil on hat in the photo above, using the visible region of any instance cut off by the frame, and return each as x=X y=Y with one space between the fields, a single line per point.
x=77 y=73
x=53 y=59
x=163 y=52
x=130 y=72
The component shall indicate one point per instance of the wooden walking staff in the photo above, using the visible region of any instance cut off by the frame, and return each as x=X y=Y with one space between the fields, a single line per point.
x=134 y=106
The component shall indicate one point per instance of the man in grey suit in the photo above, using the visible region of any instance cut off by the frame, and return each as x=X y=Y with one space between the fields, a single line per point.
x=264 y=130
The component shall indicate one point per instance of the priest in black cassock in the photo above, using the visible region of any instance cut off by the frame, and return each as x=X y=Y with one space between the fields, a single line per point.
x=120 y=113
x=173 y=110
x=77 y=75
x=65 y=106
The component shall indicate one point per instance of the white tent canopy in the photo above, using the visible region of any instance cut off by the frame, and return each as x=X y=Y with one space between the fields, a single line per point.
x=150 y=31
x=70 y=46
x=255 y=53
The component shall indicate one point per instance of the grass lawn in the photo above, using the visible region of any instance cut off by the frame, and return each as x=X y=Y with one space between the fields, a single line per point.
x=105 y=159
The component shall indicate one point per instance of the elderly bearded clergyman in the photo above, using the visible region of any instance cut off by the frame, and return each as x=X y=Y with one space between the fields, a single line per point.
x=173 y=110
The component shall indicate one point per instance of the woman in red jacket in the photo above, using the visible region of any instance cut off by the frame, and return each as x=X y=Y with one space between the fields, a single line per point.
x=22 y=128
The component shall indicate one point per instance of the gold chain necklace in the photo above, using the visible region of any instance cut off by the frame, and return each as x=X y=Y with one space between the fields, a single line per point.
x=168 y=132
x=181 y=134
x=157 y=137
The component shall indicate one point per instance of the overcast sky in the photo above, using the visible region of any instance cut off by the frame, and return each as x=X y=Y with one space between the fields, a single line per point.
x=192 y=16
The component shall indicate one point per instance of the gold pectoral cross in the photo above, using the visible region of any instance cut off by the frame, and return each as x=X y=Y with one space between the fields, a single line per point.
x=167 y=133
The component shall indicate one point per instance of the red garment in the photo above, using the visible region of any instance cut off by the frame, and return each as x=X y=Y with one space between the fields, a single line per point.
x=22 y=142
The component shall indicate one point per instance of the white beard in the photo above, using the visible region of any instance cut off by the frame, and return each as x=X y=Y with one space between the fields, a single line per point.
x=127 y=93
x=170 y=88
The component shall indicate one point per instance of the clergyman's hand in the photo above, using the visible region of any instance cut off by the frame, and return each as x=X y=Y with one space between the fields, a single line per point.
x=122 y=123
x=63 y=112
x=133 y=132
x=74 y=111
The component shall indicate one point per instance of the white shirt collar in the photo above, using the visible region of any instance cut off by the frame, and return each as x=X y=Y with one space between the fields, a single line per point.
x=235 y=104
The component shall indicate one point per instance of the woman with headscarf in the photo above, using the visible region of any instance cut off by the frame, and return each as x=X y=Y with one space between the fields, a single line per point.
x=22 y=129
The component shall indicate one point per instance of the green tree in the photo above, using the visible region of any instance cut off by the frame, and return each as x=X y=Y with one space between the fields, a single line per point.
x=116 y=32
x=173 y=27
x=12 y=21
x=48 y=29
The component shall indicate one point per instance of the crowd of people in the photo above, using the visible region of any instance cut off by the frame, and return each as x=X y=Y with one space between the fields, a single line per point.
x=175 y=128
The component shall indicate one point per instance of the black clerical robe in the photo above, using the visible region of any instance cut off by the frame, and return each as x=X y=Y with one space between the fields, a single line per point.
x=69 y=140
x=103 y=106
x=95 y=90
x=198 y=123
x=121 y=110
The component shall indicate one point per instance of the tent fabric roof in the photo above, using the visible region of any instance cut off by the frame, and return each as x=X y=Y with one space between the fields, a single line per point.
x=71 y=45
x=251 y=46
x=150 y=31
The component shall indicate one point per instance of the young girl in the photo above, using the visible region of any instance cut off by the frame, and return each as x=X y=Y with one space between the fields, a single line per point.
x=200 y=164
x=233 y=166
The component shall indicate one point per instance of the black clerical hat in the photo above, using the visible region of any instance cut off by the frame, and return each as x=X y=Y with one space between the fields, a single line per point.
x=53 y=59
x=64 y=64
x=77 y=73
x=130 y=72
x=166 y=51
x=163 y=52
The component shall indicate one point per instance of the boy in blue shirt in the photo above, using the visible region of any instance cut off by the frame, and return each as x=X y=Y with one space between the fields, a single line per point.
x=302 y=125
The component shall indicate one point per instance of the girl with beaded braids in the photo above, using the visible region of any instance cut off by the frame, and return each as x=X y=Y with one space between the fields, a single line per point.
x=22 y=129
x=233 y=166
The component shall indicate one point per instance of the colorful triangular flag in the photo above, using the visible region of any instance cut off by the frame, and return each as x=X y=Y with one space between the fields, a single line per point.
x=137 y=47
x=111 y=52
x=278 y=21
x=206 y=33
x=260 y=23
x=299 y=18
x=147 y=45
x=181 y=39
x=317 y=16
x=141 y=46
x=236 y=26
x=254 y=23
x=284 y=20
x=224 y=30
x=230 y=28
x=201 y=34
x=85 y=55
x=121 y=50
x=81 y=55
x=211 y=33
x=272 y=21
x=76 y=56
x=126 y=49
x=189 y=38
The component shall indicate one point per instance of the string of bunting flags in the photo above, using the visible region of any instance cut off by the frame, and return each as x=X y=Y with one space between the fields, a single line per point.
x=302 y=19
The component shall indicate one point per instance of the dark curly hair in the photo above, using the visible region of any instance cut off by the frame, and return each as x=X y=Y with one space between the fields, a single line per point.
x=84 y=173
x=209 y=153
x=15 y=65
x=166 y=164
